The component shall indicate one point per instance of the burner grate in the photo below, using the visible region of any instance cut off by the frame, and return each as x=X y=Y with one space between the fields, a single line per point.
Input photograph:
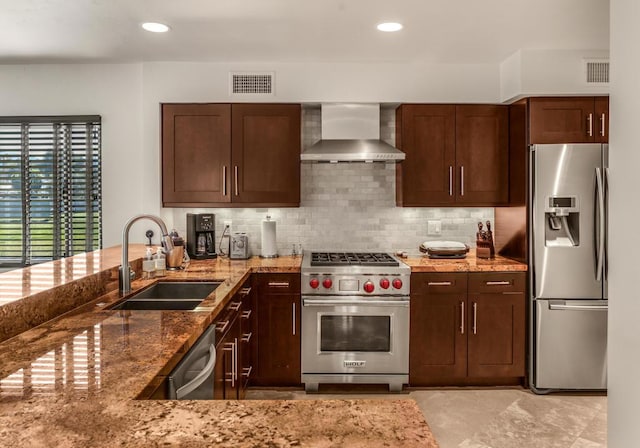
x=352 y=258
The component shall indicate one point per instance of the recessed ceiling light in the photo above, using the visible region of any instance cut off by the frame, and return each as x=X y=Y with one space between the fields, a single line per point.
x=155 y=27
x=389 y=27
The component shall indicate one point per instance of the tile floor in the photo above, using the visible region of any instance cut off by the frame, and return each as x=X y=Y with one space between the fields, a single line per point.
x=496 y=418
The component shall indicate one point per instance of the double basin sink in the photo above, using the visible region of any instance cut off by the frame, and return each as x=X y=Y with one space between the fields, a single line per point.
x=168 y=296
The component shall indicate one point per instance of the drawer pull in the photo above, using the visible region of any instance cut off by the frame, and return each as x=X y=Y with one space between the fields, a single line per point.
x=245 y=291
x=235 y=306
x=498 y=283
x=222 y=326
x=439 y=284
x=246 y=314
x=246 y=337
x=279 y=284
x=246 y=371
x=462 y=318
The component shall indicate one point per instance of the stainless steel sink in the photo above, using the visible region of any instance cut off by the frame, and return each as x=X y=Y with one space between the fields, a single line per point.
x=169 y=296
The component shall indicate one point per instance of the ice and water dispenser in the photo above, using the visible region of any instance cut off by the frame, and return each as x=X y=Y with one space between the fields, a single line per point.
x=562 y=218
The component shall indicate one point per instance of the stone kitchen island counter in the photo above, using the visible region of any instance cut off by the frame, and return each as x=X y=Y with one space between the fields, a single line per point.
x=74 y=380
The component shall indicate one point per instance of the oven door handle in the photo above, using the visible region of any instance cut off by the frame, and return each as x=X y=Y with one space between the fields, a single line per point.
x=325 y=302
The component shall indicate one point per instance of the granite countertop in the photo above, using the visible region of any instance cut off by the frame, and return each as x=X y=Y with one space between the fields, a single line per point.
x=73 y=380
x=469 y=264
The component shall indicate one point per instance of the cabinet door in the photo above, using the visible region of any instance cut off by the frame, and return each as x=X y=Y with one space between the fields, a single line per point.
x=482 y=155
x=196 y=153
x=278 y=329
x=426 y=133
x=266 y=154
x=496 y=343
x=601 y=109
x=278 y=340
x=562 y=120
x=438 y=334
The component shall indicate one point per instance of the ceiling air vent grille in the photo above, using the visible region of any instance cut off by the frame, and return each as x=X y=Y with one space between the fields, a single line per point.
x=252 y=83
x=597 y=71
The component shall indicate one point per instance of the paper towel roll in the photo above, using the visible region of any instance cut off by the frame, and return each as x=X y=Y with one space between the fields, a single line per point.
x=269 y=249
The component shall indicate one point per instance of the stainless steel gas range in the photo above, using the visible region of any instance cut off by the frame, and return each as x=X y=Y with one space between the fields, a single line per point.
x=355 y=319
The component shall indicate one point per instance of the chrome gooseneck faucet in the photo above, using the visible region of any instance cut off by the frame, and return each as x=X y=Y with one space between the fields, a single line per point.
x=167 y=247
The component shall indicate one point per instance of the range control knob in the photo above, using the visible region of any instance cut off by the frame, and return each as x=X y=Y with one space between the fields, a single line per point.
x=397 y=283
x=368 y=286
x=384 y=283
x=327 y=283
x=314 y=283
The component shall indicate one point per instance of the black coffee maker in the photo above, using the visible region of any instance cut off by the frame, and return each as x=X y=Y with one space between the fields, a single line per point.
x=201 y=235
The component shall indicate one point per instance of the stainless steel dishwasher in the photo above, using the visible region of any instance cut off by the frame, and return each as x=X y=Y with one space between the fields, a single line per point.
x=192 y=379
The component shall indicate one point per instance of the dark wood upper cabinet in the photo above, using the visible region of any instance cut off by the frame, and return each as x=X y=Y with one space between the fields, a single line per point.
x=427 y=134
x=456 y=155
x=568 y=120
x=601 y=112
x=231 y=155
x=482 y=154
x=266 y=153
x=196 y=145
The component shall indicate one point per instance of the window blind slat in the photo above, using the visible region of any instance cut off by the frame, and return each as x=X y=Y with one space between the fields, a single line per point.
x=50 y=183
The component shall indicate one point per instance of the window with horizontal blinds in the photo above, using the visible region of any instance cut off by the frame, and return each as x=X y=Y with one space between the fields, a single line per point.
x=50 y=188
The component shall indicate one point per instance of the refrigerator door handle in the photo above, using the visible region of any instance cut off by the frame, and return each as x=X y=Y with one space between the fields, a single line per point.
x=553 y=306
x=601 y=223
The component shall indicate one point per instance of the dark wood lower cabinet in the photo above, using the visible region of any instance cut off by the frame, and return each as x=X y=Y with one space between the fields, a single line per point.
x=467 y=329
x=226 y=385
x=278 y=346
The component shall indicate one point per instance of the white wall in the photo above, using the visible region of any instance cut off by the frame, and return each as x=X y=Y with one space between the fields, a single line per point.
x=624 y=268
x=547 y=72
x=112 y=91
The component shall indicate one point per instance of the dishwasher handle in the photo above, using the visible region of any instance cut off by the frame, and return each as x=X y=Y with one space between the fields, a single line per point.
x=201 y=377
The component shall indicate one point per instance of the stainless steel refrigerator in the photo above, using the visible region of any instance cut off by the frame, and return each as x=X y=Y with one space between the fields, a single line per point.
x=568 y=225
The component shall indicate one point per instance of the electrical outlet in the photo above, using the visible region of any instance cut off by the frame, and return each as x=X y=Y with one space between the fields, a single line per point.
x=434 y=227
x=227 y=223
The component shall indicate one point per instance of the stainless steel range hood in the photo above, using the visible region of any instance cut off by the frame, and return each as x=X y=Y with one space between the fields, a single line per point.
x=351 y=133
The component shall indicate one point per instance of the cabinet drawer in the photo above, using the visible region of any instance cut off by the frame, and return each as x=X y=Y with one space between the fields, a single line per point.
x=439 y=283
x=278 y=284
x=497 y=282
x=227 y=316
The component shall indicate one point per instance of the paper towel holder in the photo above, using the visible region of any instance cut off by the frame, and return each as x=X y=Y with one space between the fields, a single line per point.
x=275 y=253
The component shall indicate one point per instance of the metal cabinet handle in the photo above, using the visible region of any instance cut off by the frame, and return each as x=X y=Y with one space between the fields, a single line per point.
x=439 y=284
x=590 y=121
x=294 y=318
x=201 y=377
x=245 y=291
x=235 y=358
x=462 y=318
x=235 y=306
x=246 y=337
x=498 y=283
x=246 y=314
x=450 y=180
x=462 y=181
x=246 y=371
x=222 y=326
x=279 y=284
x=230 y=347
x=475 y=318
x=602 y=119
x=235 y=177
x=224 y=180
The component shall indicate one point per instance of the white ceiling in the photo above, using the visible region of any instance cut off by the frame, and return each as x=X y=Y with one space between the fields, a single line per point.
x=436 y=31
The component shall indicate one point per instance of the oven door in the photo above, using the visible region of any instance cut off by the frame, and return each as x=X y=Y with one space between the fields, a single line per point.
x=354 y=335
